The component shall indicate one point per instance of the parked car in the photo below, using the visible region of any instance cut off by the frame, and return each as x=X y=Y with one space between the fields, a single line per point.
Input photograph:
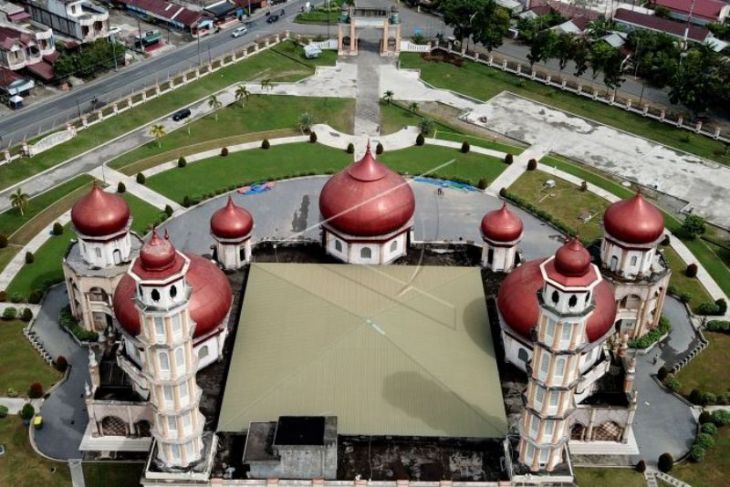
x=239 y=31
x=272 y=18
x=114 y=31
x=181 y=114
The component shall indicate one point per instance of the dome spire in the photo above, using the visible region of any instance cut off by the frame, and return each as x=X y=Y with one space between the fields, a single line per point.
x=231 y=221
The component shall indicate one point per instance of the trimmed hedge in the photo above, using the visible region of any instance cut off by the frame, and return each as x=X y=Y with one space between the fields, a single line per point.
x=653 y=336
x=67 y=320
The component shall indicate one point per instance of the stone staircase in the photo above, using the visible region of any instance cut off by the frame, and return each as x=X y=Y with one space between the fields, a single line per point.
x=670 y=480
x=37 y=344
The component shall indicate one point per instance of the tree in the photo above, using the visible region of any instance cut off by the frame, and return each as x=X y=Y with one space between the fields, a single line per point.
x=388 y=97
x=600 y=53
x=543 y=47
x=57 y=229
x=121 y=187
x=266 y=84
x=158 y=132
x=599 y=27
x=563 y=49
x=306 y=120
x=425 y=126
x=613 y=70
x=459 y=15
x=19 y=200
x=27 y=412
x=490 y=24
x=580 y=56
x=215 y=104
x=698 y=80
x=666 y=462
x=693 y=226
x=413 y=107
x=242 y=94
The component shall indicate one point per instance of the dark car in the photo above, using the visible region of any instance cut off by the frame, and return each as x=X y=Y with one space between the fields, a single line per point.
x=181 y=114
x=272 y=18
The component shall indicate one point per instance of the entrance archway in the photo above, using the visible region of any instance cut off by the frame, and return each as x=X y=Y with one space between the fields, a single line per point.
x=353 y=20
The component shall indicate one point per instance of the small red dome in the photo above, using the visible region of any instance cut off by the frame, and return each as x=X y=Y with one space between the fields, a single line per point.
x=100 y=213
x=501 y=225
x=634 y=220
x=572 y=259
x=231 y=221
x=367 y=199
x=209 y=303
x=157 y=254
x=518 y=304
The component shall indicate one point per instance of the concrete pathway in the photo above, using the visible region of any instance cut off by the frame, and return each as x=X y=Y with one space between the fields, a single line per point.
x=666 y=478
x=518 y=166
x=15 y=404
x=77 y=473
x=113 y=178
x=367 y=103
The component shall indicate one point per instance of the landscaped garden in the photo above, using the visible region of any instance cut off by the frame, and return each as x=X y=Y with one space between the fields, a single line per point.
x=482 y=82
x=20 y=466
x=608 y=477
x=271 y=64
x=112 y=474
x=707 y=372
x=714 y=469
x=257 y=118
x=20 y=364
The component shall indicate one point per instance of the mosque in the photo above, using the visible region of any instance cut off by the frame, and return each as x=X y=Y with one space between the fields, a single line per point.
x=230 y=367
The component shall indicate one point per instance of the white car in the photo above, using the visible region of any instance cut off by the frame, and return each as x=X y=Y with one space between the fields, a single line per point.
x=113 y=31
x=239 y=31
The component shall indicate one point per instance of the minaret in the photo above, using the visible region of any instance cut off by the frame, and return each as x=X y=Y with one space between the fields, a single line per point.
x=501 y=231
x=231 y=228
x=566 y=302
x=166 y=335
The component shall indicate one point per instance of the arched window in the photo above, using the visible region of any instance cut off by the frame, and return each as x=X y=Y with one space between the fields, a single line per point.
x=614 y=263
x=366 y=253
x=173 y=291
x=393 y=246
x=155 y=295
x=117 y=255
x=522 y=355
x=573 y=301
x=555 y=297
x=179 y=358
x=338 y=246
x=633 y=260
x=560 y=368
x=490 y=256
x=203 y=352
x=164 y=361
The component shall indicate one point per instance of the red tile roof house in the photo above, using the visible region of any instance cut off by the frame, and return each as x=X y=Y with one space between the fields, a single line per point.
x=695 y=33
x=703 y=12
x=172 y=14
x=25 y=48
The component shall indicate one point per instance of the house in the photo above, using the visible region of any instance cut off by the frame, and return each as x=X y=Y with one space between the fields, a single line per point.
x=695 y=33
x=576 y=26
x=700 y=12
x=11 y=13
x=79 y=19
x=171 y=14
x=32 y=49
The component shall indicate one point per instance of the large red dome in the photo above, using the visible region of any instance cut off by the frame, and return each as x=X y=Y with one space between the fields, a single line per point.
x=210 y=301
x=634 y=220
x=100 y=213
x=231 y=221
x=517 y=302
x=501 y=225
x=367 y=199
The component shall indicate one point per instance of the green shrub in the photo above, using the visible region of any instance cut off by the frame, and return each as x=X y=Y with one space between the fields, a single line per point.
x=168 y=210
x=721 y=306
x=61 y=364
x=705 y=418
x=350 y=148
x=187 y=201
x=420 y=140
x=57 y=229
x=141 y=178
x=509 y=159
x=35 y=296
x=691 y=270
x=705 y=440
x=641 y=466
x=224 y=152
x=693 y=226
x=723 y=398
x=121 y=187
x=465 y=147
x=26 y=315
x=29 y=257
x=3 y=241
x=265 y=144
x=27 y=412
x=3 y=411
x=35 y=390
x=379 y=148
x=666 y=462
x=312 y=137
x=697 y=453
x=182 y=162
x=709 y=428
x=672 y=383
x=695 y=396
x=10 y=313
x=709 y=309
x=721 y=418
x=11 y=392
x=531 y=165
x=483 y=183
x=67 y=320
x=709 y=399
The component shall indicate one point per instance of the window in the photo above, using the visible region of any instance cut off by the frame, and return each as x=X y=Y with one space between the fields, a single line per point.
x=555 y=297
x=573 y=301
x=366 y=253
x=554 y=396
x=180 y=358
x=566 y=332
x=173 y=291
x=534 y=425
x=544 y=362
x=549 y=428
x=176 y=326
x=187 y=421
x=633 y=260
x=184 y=390
x=175 y=451
x=393 y=246
x=539 y=396
x=159 y=328
x=530 y=453
x=560 y=368
x=203 y=352
x=140 y=291
x=171 y=424
x=338 y=246
x=164 y=362
x=614 y=263
x=544 y=456
x=155 y=295
x=523 y=355
x=549 y=331
x=190 y=449
x=98 y=252
x=167 y=393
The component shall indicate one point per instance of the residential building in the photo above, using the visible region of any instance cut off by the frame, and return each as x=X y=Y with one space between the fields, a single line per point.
x=700 y=12
x=79 y=19
x=680 y=30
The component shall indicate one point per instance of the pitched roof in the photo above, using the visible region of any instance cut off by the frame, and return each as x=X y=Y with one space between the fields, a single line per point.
x=166 y=10
x=708 y=9
x=396 y=350
x=652 y=22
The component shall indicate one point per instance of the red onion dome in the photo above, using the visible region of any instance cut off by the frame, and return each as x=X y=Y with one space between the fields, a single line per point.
x=100 y=213
x=367 y=199
x=157 y=254
x=518 y=304
x=501 y=225
x=210 y=300
x=572 y=259
x=634 y=220
x=231 y=221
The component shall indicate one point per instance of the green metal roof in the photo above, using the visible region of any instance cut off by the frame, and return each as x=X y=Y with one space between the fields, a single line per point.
x=389 y=350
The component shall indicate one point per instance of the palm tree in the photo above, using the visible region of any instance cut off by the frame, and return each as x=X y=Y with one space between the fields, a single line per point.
x=215 y=104
x=242 y=94
x=305 y=122
x=388 y=97
x=266 y=84
x=413 y=107
x=19 y=200
x=158 y=132
x=425 y=126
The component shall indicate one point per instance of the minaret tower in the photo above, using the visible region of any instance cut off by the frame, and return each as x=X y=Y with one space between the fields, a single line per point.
x=162 y=300
x=566 y=302
x=231 y=228
x=501 y=231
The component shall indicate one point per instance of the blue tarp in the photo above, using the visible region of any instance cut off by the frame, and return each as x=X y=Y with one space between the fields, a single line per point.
x=445 y=183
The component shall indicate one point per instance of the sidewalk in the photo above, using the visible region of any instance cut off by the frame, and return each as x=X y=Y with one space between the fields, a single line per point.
x=113 y=178
x=518 y=166
x=15 y=404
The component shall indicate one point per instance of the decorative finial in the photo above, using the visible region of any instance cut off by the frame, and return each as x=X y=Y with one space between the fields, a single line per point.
x=167 y=235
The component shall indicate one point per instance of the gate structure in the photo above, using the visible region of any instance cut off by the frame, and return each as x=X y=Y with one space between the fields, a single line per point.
x=353 y=18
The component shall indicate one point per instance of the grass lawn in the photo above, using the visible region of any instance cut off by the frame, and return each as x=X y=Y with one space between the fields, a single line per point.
x=708 y=371
x=268 y=64
x=470 y=167
x=394 y=117
x=683 y=284
x=483 y=82
x=20 y=364
x=20 y=466
x=259 y=114
x=43 y=209
x=714 y=470
x=608 y=477
x=46 y=267
x=7 y=254
x=144 y=215
x=240 y=168
x=112 y=474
